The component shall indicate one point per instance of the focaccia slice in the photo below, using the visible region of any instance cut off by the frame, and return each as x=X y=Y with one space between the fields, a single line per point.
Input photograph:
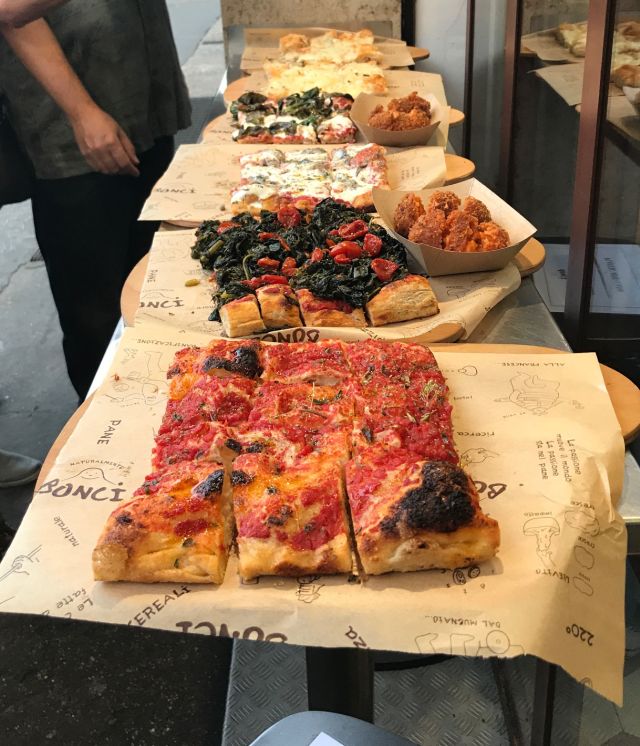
x=279 y=306
x=626 y=75
x=327 y=312
x=290 y=521
x=352 y=78
x=179 y=532
x=417 y=516
x=402 y=300
x=570 y=33
x=241 y=317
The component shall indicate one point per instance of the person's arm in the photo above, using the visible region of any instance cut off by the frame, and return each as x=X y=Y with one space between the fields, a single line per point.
x=19 y=12
x=100 y=138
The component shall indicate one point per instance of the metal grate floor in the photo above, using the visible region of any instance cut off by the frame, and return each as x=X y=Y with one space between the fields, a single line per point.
x=452 y=703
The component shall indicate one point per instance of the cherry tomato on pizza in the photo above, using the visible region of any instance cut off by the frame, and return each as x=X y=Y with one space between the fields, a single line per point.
x=384 y=269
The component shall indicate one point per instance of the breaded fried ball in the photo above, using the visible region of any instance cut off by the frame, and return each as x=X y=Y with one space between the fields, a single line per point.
x=408 y=210
x=382 y=119
x=429 y=228
x=476 y=208
x=407 y=103
x=398 y=121
x=413 y=119
x=460 y=230
x=490 y=236
x=445 y=201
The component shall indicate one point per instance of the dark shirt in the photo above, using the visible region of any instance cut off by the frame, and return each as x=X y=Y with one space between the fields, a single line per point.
x=124 y=54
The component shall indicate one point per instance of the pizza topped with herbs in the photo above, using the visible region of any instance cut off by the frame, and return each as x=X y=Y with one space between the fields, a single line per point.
x=310 y=117
x=318 y=452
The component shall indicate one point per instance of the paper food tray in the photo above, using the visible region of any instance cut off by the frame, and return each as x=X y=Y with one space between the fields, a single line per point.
x=365 y=103
x=440 y=262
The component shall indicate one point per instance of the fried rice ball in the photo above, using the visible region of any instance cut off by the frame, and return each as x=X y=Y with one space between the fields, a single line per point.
x=410 y=102
x=460 y=232
x=429 y=228
x=408 y=210
x=445 y=201
x=476 y=208
x=398 y=121
x=413 y=119
x=381 y=118
x=489 y=236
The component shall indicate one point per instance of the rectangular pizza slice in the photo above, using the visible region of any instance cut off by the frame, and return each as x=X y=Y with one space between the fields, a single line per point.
x=402 y=300
x=290 y=521
x=327 y=312
x=222 y=358
x=417 y=515
x=337 y=129
x=180 y=531
x=355 y=170
x=279 y=306
x=299 y=420
x=323 y=362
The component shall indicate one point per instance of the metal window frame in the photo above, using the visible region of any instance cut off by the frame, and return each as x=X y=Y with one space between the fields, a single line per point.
x=513 y=35
x=468 y=76
x=586 y=192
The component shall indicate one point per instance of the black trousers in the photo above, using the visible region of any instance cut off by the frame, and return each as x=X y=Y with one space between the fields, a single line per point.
x=90 y=239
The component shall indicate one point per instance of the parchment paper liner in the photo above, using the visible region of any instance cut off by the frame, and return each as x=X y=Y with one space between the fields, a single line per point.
x=525 y=425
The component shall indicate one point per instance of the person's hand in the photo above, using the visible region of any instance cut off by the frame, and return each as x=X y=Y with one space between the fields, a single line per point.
x=104 y=143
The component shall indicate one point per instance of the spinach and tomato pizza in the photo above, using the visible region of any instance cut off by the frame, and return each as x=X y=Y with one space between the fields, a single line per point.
x=310 y=117
x=329 y=267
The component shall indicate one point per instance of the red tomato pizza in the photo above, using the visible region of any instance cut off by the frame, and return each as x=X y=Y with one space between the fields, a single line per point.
x=317 y=451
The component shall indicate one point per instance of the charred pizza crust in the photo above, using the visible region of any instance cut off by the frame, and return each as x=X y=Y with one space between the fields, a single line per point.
x=402 y=300
x=325 y=312
x=241 y=317
x=181 y=532
x=421 y=516
x=279 y=306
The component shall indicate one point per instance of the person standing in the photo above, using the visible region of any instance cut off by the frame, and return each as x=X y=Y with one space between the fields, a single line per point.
x=95 y=94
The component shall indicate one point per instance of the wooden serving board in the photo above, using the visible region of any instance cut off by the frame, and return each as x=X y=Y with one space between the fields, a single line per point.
x=458 y=168
x=624 y=394
x=419 y=53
